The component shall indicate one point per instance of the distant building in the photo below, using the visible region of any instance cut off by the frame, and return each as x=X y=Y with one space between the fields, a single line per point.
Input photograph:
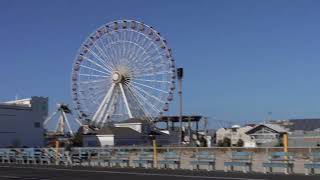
x=261 y=135
x=21 y=122
x=292 y=125
x=302 y=132
x=266 y=135
x=235 y=133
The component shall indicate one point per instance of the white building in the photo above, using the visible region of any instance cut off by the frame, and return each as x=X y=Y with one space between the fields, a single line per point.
x=266 y=135
x=113 y=136
x=129 y=132
x=21 y=122
x=235 y=133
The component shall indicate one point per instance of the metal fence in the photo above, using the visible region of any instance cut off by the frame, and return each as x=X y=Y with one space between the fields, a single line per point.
x=129 y=155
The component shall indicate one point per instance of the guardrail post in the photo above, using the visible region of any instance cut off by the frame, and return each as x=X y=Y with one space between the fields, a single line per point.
x=285 y=142
x=57 y=153
x=155 y=154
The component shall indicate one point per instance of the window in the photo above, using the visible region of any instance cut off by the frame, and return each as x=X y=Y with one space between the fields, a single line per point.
x=37 y=124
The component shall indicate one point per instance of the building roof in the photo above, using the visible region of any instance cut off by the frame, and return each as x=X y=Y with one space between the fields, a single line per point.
x=116 y=131
x=274 y=127
x=133 y=120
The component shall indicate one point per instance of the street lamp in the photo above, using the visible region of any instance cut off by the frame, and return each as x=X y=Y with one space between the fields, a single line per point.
x=180 y=76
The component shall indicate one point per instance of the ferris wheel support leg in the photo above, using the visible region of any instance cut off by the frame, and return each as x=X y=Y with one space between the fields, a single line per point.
x=103 y=115
x=49 y=118
x=67 y=122
x=77 y=120
x=106 y=106
x=109 y=110
x=125 y=101
x=105 y=99
x=100 y=114
x=60 y=124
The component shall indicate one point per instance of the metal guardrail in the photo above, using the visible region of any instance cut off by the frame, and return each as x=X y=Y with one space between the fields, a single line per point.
x=110 y=156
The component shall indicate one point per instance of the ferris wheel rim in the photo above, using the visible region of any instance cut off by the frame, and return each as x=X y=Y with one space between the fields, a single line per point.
x=75 y=94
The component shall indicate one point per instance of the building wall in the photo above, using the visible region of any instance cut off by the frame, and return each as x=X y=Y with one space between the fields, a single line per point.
x=234 y=134
x=98 y=140
x=304 y=140
x=21 y=122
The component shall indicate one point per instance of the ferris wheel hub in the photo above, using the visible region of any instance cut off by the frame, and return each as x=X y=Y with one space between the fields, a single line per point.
x=117 y=77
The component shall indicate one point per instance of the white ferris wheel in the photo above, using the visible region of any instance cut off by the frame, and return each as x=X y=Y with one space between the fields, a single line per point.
x=123 y=70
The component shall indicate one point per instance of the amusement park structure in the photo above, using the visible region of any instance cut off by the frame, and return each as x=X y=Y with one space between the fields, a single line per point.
x=62 y=126
x=123 y=79
x=123 y=70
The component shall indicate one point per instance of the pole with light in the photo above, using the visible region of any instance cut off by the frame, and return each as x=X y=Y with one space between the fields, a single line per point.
x=180 y=76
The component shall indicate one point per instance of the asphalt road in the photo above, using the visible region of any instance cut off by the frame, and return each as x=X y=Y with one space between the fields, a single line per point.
x=86 y=173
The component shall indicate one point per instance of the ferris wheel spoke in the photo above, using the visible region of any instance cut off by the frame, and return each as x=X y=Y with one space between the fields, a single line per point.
x=95 y=91
x=135 y=60
x=94 y=70
x=115 y=41
x=108 y=54
x=146 y=93
x=96 y=97
x=144 y=60
x=150 y=87
x=102 y=61
x=146 y=101
x=125 y=101
x=146 y=105
x=152 y=74
x=93 y=75
x=127 y=53
x=95 y=87
x=94 y=81
x=95 y=63
x=144 y=110
x=103 y=53
x=153 y=71
x=92 y=87
x=153 y=81
x=151 y=60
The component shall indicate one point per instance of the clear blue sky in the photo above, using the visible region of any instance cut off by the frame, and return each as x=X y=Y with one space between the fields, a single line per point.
x=242 y=59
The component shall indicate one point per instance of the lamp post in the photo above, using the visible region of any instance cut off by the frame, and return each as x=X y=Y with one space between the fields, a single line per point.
x=180 y=76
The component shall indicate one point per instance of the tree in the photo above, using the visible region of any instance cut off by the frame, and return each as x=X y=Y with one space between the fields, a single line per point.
x=226 y=142
x=220 y=143
x=77 y=140
x=240 y=143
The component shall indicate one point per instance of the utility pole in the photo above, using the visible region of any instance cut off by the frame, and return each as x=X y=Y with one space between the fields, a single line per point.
x=180 y=76
x=269 y=118
x=190 y=130
x=205 y=125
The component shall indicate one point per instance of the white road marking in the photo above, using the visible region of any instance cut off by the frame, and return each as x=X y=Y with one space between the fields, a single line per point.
x=134 y=173
x=11 y=177
x=23 y=178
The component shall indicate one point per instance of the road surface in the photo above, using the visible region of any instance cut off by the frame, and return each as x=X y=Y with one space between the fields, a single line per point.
x=30 y=172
